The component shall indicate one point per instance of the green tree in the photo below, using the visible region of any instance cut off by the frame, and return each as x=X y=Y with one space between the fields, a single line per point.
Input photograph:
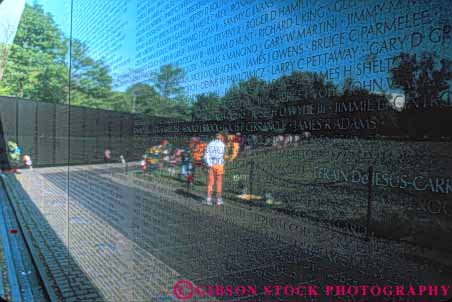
x=36 y=67
x=168 y=81
x=301 y=86
x=4 y=52
x=120 y=101
x=91 y=82
x=6 y=33
x=422 y=77
x=180 y=108
x=424 y=80
x=144 y=98
x=247 y=99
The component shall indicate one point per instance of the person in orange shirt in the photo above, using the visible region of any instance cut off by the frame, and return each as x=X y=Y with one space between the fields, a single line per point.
x=232 y=147
x=197 y=148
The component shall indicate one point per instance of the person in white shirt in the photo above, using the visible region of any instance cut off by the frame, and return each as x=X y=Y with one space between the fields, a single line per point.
x=214 y=158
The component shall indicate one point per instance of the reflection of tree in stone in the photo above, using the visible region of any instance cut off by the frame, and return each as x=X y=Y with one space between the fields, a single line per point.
x=90 y=80
x=145 y=99
x=247 y=99
x=168 y=81
x=143 y=96
x=207 y=107
x=424 y=79
x=257 y=99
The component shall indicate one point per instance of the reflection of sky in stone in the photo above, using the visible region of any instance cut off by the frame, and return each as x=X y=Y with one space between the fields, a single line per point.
x=108 y=29
x=219 y=42
x=60 y=11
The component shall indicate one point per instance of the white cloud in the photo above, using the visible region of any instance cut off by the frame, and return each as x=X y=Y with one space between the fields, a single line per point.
x=10 y=13
x=397 y=100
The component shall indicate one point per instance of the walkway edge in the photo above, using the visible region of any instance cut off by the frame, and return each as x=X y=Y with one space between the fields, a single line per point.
x=29 y=243
x=11 y=270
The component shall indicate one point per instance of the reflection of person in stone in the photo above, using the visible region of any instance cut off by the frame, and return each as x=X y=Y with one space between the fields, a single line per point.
x=107 y=155
x=232 y=147
x=214 y=158
x=123 y=162
x=27 y=160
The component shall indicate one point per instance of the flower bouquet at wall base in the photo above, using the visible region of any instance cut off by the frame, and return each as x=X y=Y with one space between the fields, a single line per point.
x=247 y=197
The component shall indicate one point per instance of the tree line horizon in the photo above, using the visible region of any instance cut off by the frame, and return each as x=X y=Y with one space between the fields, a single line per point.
x=37 y=68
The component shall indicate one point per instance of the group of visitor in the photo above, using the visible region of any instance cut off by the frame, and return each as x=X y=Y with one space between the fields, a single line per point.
x=196 y=155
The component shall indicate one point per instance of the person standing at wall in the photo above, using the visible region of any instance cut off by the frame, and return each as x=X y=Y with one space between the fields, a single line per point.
x=232 y=147
x=124 y=163
x=166 y=151
x=186 y=163
x=143 y=164
x=27 y=161
x=107 y=155
x=214 y=158
x=197 y=148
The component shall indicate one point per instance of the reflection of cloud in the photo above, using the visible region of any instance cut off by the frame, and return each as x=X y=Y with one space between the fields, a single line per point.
x=395 y=99
x=9 y=19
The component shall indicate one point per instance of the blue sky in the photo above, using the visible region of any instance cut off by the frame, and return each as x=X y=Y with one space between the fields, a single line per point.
x=60 y=9
x=136 y=37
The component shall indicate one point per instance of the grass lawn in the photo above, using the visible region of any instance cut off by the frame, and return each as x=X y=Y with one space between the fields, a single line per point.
x=326 y=180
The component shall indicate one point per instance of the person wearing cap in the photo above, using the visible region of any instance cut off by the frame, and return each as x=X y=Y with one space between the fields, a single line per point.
x=214 y=158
